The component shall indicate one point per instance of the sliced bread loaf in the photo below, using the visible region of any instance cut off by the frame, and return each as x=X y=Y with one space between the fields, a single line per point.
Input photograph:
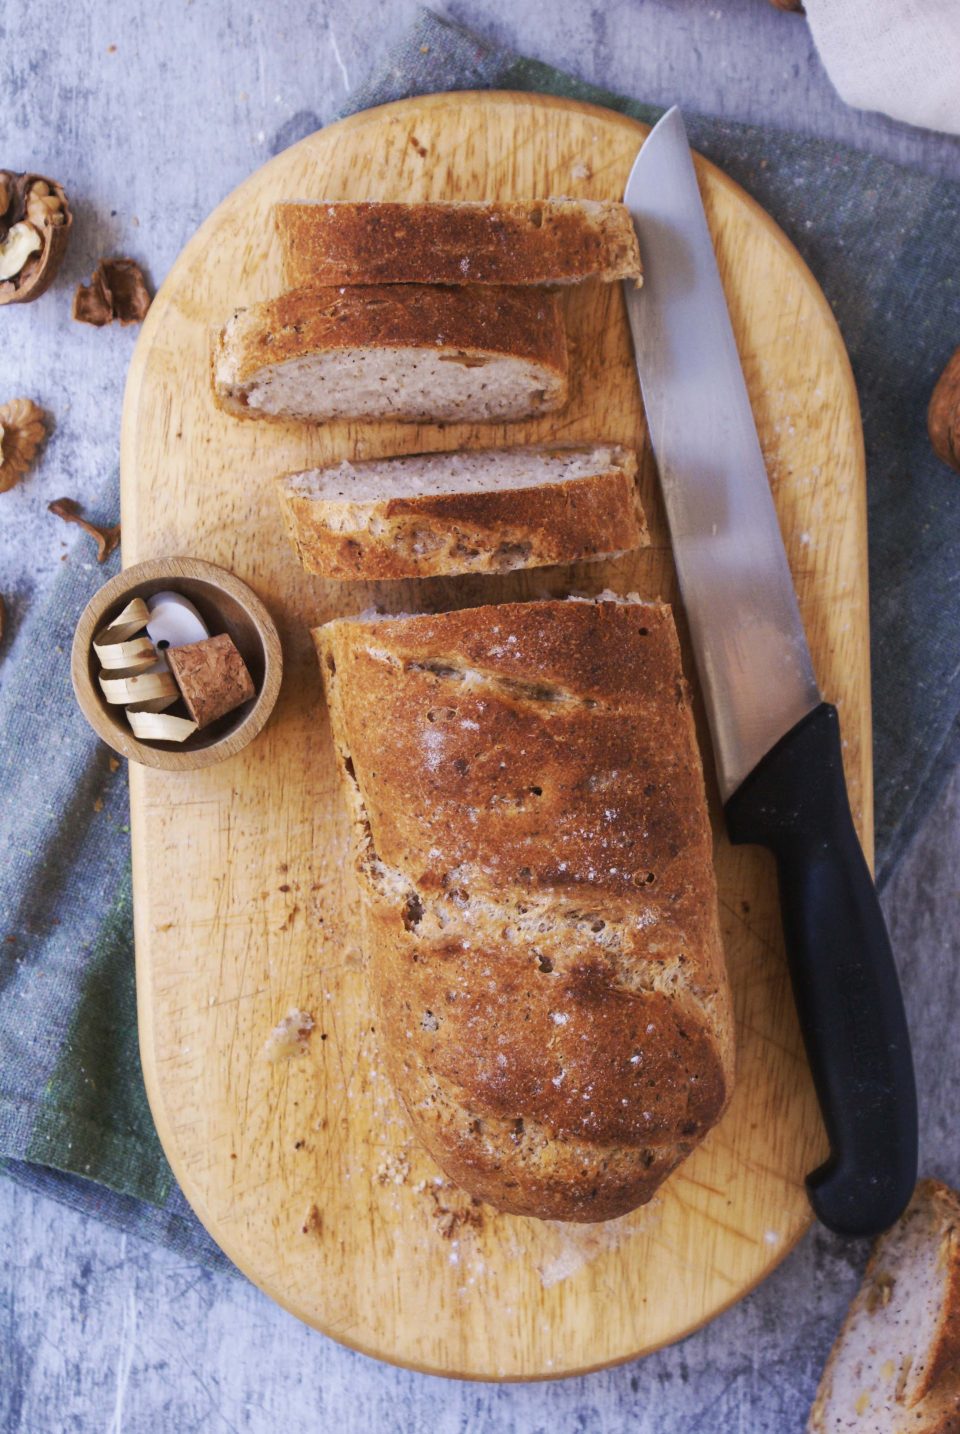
x=431 y=514
x=895 y=1368
x=535 y=241
x=411 y=352
x=536 y=862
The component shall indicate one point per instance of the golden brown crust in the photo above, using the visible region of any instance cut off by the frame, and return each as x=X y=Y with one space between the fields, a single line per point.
x=945 y=1353
x=550 y=241
x=547 y=961
x=429 y=535
x=522 y=323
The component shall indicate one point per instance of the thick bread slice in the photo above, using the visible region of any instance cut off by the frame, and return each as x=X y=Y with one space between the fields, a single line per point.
x=542 y=920
x=895 y=1368
x=534 y=241
x=476 y=512
x=411 y=352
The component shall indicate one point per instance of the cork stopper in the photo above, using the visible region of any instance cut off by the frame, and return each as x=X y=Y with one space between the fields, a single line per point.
x=212 y=677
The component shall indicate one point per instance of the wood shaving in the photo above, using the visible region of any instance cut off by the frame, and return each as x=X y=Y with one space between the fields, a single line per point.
x=106 y=539
x=117 y=290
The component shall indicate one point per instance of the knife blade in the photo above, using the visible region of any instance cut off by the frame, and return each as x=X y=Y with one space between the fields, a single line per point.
x=776 y=742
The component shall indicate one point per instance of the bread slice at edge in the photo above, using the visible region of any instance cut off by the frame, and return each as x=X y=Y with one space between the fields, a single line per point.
x=539 y=519
x=533 y=241
x=926 y=1394
x=414 y=353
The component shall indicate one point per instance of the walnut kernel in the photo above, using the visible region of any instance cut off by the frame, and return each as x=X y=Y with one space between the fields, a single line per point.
x=22 y=240
x=43 y=206
x=21 y=433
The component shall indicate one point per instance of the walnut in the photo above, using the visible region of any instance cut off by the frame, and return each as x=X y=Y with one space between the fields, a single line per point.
x=21 y=433
x=943 y=415
x=43 y=206
x=117 y=290
x=106 y=539
x=22 y=240
x=35 y=223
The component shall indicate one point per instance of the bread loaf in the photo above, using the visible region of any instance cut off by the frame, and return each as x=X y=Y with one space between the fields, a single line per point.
x=542 y=923
x=895 y=1368
x=476 y=512
x=409 y=352
x=536 y=241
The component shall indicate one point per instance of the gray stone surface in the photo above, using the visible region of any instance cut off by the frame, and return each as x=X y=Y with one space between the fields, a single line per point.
x=102 y=1333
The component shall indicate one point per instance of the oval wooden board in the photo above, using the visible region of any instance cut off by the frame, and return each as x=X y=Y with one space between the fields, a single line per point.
x=245 y=903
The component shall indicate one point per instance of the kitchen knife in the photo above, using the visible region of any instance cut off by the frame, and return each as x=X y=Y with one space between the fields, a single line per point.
x=776 y=742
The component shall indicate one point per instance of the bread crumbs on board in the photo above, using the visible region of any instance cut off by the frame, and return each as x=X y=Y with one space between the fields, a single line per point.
x=289 y=1037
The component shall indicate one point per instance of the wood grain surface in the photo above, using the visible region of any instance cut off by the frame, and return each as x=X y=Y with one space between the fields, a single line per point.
x=245 y=903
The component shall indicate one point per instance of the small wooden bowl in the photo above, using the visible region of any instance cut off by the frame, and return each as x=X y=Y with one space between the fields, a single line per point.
x=226 y=605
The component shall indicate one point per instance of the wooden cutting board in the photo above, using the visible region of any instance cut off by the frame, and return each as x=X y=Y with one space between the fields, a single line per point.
x=303 y=1170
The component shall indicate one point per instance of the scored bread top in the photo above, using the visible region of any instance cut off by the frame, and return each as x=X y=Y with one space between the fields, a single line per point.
x=548 y=241
x=590 y=664
x=529 y=805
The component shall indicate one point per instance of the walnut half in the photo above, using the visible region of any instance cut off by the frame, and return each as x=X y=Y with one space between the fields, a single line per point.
x=35 y=224
x=943 y=415
x=21 y=433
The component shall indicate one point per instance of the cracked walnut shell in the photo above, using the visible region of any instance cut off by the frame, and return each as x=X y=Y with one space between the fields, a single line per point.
x=943 y=415
x=21 y=433
x=117 y=290
x=35 y=224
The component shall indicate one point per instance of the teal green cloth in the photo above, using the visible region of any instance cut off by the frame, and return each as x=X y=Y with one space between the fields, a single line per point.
x=882 y=241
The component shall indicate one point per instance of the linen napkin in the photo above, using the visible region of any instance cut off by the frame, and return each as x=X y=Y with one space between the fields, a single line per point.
x=74 y=1121
x=897 y=56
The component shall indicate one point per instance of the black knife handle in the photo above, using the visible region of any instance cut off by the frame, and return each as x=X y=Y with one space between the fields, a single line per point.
x=844 y=978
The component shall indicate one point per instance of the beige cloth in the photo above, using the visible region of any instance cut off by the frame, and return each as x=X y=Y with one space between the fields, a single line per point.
x=901 y=57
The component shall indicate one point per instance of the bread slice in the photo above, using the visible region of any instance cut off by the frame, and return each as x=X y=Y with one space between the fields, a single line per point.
x=541 y=910
x=411 y=352
x=895 y=1368
x=489 y=511
x=533 y=241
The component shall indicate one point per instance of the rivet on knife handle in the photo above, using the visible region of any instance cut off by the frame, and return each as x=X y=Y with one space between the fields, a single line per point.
x=844 y=978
